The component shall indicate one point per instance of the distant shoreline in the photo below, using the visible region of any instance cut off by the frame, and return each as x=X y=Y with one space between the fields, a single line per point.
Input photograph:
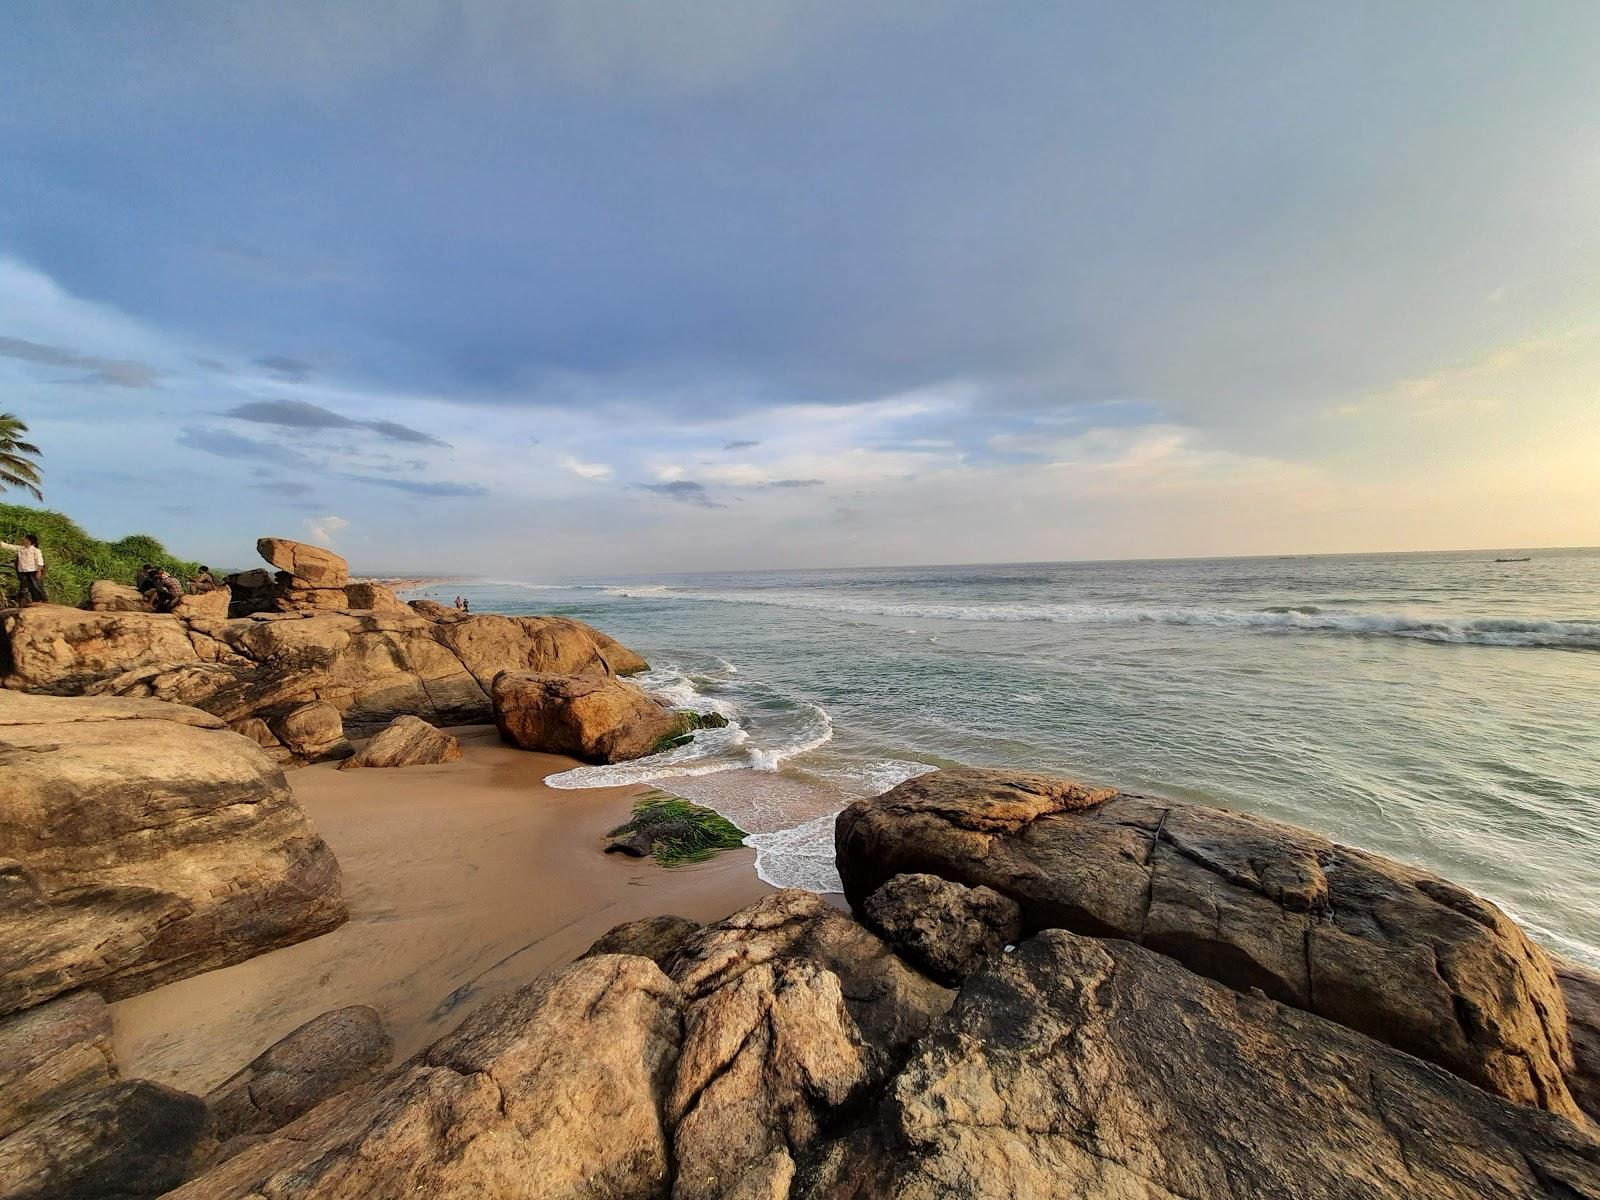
x=409 y=583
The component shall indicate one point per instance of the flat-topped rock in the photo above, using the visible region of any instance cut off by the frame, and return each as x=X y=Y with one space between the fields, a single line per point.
x=1391 y=951
x=312 y=565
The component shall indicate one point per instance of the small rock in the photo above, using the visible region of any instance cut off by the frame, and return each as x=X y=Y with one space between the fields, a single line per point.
x=406 y=742
x=947 y=929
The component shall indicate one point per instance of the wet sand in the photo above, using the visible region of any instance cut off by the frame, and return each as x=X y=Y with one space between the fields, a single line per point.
x=463 y=880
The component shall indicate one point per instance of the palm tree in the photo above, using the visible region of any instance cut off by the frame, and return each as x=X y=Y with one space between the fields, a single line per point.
x=15 y=468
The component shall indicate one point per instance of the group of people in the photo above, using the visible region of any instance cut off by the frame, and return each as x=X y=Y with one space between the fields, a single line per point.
x=157 y=585
x=464 y=604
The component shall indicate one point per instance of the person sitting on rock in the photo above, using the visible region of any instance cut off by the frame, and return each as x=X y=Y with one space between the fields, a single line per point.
x=30 y=568
x=204 y=581
x=159 y=588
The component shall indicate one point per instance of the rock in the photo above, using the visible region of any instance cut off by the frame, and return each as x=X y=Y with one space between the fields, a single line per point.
x=765 y=1059
x=127 y=1141
x=251 y=591
x=147 y=843
x=106 y=595
x=1581 y=987
x=435 y=611
x=1390 y=951
x=406 y=742
x=310 y=600
x=211 y=606
x=591 y=717
x=369 y=666
x=311 y=732
x=891 y=1004
x=364 y=594
x=52 y=1054
x=655 y=938
x=636 y=844
x=551 y=1091
x=312 y=565
x=942 y=928
x=1101 y=1070
x=327 y=1055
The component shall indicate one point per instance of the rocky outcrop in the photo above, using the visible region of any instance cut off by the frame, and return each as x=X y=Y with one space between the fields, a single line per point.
x=127 y=1141
x=142 y=842
x=108 y=596
x=595 y=718
x=1581 y=987
x=311 y=566
x=1101 y=1070
x=363 y=593
x=1389 y=951
x=406 y=742
x=945 y=929
x=52 y=1054
x=655 y=938
x=325 y=1056
x=555 y=1090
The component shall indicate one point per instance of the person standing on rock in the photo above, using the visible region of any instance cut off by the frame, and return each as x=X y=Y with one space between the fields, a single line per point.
x=30 y=568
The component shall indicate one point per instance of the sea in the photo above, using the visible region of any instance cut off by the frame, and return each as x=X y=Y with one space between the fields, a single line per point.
x=1439 y=708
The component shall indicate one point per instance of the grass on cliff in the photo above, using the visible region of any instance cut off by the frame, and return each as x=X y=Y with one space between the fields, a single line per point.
x=73 y=559
x=681 y=832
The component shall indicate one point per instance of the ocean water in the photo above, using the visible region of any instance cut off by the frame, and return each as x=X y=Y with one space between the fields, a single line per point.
x=1443 y=709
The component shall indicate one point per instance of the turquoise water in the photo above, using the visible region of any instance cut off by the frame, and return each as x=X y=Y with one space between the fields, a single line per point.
x=1443 y=709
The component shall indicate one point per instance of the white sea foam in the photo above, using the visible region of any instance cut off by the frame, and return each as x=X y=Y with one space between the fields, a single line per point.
x=800 y=857
x=1576 y=633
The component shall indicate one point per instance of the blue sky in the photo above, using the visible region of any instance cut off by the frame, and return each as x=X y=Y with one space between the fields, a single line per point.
x=592 y=287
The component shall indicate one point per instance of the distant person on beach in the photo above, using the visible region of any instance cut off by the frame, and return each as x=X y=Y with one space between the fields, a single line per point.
x=466 y=605
x=159 y=588
x=30 y=568
x=204 y=581
x=458 y=601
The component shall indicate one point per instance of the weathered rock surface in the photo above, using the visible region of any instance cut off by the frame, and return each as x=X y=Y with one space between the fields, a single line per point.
x=52 y=1054
x=374 y=596
x=106 y=595
x=297 y=598
x=142 y=842
x=327 y=1055
x=765 y=1059
x=945 y=929
x=406 y=742
x=1581 y=987
x=1101 y=1070
x=595 y=718
x=1400 y=955
x=891 y=1004
x=126 y=1141
x=655 y=938
x=210 y=606
x=552 y=1091
x=312 y=565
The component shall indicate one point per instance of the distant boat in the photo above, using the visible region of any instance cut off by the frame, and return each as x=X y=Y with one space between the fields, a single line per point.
x=1514 y=560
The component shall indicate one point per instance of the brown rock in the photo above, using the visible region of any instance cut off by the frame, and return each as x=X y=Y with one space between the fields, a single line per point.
x=435 y=611
x=490 y=644
x=364 y=594
x=211 y=606
x=126 y=1141
x=592 y=717
x=1393 y=952
x=327 y=1055
x=1101 y=1070
x=311 y=732
x=552 y=1091
x=655 y=938
x=52 y=1054
x=64 y=649
x=148 y=843
x=312 y=565
x=765 y=1059
x=106 y=595
x=406 y=742
x=944 y=929
x=1581 y=987
x=297 y=598
x=892 y=1005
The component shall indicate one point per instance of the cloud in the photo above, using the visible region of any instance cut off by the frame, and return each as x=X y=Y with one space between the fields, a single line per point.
x=283 y=487
x=301 y=414
x=685 y=491
x=793 y=483
x=323 y=529
x=742 y=445
x=231 y=445
x=120 y=372
x=290 y=370
x=421 y=487
x=585 y=470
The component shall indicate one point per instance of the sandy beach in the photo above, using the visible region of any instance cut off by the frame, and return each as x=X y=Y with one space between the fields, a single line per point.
x=463 y=880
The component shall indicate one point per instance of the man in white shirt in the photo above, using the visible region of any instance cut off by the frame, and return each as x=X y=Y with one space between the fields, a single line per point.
x=30 y=568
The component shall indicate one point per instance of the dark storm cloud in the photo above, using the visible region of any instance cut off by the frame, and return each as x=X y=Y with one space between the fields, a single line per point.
x=120 y=372
x=300 y=414
x=684 y=491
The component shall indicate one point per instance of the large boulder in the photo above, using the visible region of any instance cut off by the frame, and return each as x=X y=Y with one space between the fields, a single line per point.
x=142 y=842
x=364 y=594
x=127 y=1141
x=50 y=647
x=311 y=565
x=211 y=606
x=327 y=1055
x=52 y=1054
x=946 y=929
x=106 y=595
x=1581 y=987
x=655 y=938
x=1393 y=952
x=591 y=717
x=552 y=1091
x=1102 y=1071
x=406 y=742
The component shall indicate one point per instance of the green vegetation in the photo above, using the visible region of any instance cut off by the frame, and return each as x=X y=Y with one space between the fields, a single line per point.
x=680 y=832
x=74 y=560
x=17 y=468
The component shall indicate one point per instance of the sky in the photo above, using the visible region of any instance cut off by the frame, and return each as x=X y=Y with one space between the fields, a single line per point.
x=584 y=287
